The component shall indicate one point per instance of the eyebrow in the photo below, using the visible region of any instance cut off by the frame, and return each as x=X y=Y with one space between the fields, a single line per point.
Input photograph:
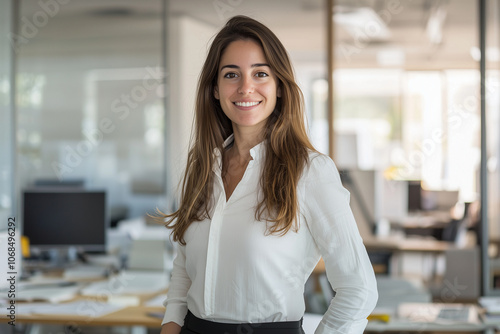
x=237 y=67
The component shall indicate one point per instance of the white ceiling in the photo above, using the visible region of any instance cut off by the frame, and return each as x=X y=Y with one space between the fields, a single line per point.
x=300 y=24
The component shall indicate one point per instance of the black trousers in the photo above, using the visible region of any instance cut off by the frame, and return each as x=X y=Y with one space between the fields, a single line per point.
x=194 y=325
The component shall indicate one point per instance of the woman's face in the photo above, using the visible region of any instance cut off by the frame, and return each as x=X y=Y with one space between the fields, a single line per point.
x=246 y=86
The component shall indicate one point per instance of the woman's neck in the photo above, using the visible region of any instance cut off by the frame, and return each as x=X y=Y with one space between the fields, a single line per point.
x=244 y=140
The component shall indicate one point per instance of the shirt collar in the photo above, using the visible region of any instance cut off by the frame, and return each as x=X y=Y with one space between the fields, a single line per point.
x=256 y=152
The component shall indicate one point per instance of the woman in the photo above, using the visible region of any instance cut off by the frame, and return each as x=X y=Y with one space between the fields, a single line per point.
x=259 y=205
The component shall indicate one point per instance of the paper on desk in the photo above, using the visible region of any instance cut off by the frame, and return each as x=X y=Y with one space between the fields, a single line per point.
x=48 y=294
x=83 y=308
x=156 y=301
x=491 y=304
x=431 y=312
x=85 y=272
x=128 y=282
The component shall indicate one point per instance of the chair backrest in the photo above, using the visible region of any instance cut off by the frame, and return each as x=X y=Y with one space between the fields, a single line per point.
x=456 y=232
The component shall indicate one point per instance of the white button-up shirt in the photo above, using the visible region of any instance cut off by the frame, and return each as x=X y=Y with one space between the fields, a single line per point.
x=231 y=271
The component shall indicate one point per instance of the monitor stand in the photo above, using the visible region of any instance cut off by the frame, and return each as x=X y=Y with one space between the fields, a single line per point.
x=62 y=257
x=53 y=259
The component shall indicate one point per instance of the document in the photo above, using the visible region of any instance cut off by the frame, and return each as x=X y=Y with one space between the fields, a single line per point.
x=50 y=294
x=128 y=283
x=83 y=308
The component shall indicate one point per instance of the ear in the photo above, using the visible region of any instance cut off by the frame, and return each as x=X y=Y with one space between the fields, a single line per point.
x=278 y=91
x=216 y=92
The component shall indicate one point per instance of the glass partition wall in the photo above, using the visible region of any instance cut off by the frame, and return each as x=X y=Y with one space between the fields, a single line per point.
x=7 y=115
x=407 y=110
x=414 y=102
x=90 y=98
x=403 y=75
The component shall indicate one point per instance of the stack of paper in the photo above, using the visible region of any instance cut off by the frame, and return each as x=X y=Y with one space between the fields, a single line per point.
x=439 y=313
x=129 y=282
x=83 y=308
x=52 y=294
x=491 y=306
x=86 y=272
x=128 y=288
x=156 y=301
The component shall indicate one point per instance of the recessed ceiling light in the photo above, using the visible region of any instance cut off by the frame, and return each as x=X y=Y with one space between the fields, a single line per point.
x=391 y=57
x=492 y=53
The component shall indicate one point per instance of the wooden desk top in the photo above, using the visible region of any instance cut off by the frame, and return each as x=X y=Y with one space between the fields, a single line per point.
x=398 y=245
x=407 y=245
x=129 y=316
x=424 y=219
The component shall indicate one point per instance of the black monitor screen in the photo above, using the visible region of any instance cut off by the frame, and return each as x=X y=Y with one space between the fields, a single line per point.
x=414 y=196
x=65 y=218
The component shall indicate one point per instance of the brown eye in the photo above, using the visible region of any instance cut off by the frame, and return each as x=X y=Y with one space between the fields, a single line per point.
x=230 y=75
x=262 y=74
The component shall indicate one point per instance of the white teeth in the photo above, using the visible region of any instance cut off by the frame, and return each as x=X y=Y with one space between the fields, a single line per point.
x=246 y=104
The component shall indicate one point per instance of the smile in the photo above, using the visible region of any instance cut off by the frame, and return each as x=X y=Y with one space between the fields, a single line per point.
x=246 y=104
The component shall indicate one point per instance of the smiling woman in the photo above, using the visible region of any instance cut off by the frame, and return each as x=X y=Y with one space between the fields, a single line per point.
x=259 y=204
x=246 y=87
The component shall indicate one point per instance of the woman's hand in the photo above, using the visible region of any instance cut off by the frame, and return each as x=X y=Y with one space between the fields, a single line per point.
x=170 y=328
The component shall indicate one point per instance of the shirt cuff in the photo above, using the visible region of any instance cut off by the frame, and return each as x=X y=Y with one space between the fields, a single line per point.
x=175 y=314
x=354 y=327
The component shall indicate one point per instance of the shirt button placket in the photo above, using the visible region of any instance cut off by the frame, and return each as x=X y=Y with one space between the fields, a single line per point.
x=213 y=254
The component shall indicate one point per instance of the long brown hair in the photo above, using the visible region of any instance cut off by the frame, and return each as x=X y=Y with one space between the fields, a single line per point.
x=287 y=143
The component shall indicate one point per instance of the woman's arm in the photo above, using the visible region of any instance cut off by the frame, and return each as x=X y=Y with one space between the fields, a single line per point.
x=348 y=268
x=170 y=328
x=176 y=304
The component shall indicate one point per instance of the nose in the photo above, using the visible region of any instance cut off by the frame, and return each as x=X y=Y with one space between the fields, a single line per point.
x=246 y=85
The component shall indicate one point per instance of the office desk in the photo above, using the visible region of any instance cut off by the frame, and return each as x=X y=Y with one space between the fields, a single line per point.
x=425 y=223
x=129 y=316
x=397 y=244
x=397 y=249
x=311 y=321
x=417 y=315
x=88 y=310
x=399 y=325
x=424 y=219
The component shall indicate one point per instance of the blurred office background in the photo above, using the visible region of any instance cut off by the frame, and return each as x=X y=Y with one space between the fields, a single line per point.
x=101 y=94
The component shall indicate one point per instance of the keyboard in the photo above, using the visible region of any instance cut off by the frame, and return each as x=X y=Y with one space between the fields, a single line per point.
x=454 y=314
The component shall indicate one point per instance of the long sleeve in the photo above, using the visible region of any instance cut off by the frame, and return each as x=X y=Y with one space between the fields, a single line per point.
x=348 y=268
x=176 y=305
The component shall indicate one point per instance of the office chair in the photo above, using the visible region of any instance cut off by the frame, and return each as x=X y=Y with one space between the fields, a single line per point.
x=456 y=230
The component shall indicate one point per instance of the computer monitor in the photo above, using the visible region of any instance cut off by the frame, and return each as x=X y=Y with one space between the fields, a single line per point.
x=64 y=219
x=414 y=196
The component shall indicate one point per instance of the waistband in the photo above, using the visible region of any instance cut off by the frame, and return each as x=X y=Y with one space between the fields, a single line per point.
x=192 y=323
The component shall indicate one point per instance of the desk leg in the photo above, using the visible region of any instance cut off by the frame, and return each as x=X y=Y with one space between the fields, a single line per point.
x=4 y=328
x=138 y=330
x=20 y=328
x=395 y=265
